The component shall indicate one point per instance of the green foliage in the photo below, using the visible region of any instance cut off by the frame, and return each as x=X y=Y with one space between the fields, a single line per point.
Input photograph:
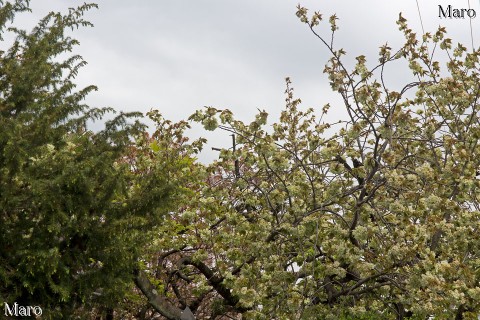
x=74 y=215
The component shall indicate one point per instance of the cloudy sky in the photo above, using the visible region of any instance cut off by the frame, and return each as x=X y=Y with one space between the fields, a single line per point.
x=180 y=55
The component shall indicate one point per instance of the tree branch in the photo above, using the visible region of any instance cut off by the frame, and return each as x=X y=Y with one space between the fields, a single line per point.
x=158 y=302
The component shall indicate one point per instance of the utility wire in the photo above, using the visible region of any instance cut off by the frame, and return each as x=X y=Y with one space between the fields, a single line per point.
x=471 y=29
x=420 y=15
x=421 y=23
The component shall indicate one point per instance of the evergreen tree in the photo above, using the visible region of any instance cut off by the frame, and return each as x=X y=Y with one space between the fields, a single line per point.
x=74 y=216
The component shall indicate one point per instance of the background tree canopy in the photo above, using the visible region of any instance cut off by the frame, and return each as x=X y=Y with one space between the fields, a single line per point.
x=372 y=217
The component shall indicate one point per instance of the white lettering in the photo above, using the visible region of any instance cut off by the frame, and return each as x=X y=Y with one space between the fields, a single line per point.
x=25 y=311
x=11 y=312
x=37 y=310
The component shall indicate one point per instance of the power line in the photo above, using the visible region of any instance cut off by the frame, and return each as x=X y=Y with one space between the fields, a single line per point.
x=420 y=15
x=423 y=29
x=471 y=29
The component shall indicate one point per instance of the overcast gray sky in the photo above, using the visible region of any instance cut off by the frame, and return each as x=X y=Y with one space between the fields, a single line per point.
x=180 y=55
